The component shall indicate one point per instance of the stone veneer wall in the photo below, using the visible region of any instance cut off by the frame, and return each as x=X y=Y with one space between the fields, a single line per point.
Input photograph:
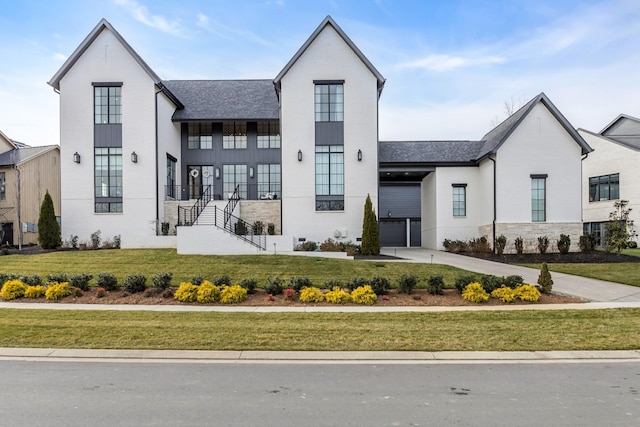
x=530 y=233
x=171 y=213
x=262 y=210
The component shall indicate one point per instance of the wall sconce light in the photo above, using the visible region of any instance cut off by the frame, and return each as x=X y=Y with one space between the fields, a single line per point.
x=359 y=155
x=217 y=173
x=134 y=157
x=251 y=172
x=299 y=155
x=389 y=214
x=76 y=157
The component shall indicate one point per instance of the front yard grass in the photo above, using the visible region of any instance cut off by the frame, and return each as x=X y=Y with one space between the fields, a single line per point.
x=259 y=267
x=530 y=330
x=625 y=273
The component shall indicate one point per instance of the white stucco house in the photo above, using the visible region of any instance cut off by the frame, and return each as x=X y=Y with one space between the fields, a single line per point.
x=611 y=173
x=193 y=164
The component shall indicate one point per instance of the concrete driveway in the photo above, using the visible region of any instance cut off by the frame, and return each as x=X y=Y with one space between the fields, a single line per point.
x=582 y=287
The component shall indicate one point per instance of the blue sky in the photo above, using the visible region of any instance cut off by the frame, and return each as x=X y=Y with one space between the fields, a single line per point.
x=450 y=65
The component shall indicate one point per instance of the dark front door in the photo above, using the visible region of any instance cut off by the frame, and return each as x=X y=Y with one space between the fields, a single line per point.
x=6 y=235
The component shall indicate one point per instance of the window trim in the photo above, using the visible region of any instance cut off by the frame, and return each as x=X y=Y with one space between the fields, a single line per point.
x=599 y=187
x=542 y=177
x=331 y=201
x=108 y=200
x=332 y=114
x=464 y=200
x=108 y=114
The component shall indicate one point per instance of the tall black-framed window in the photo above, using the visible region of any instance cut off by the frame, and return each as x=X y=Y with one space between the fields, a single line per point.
x=234 y=135
x=232 y=176
x=107 y=105
x=269 y=134
x=108 y=180
x=605 y=187
x=329 y=101
x=269 y=186
x=3 y=186
x=171 y=176
x=538 y=198
x=459 y=200
x=329 y=177
x=200 y=136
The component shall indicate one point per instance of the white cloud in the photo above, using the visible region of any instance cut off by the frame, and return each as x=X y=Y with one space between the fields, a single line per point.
x=141 y=13
x=450 y=62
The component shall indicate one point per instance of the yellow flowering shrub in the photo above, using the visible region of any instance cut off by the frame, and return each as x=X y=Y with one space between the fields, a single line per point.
x=364 y=295
x=13 y=289
x=311 y=294
x=337 y=296
x=232 y=294
x=187 y=292
x=504 y=294
x=208 y=293
x=474 y=292
x=56 y=290
x=527 y=293
x=34 y=291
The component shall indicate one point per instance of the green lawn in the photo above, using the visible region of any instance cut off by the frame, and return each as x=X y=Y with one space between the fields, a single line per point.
x=184 y=267
x=530 y=330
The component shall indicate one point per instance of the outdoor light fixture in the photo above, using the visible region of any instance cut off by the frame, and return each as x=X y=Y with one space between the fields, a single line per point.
x=76 y=157
x=359 y=155
x=299 y=155
x=134 y=157
x=217 y=173
x=251 y=172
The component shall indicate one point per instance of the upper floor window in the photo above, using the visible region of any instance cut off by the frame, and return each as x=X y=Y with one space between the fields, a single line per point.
x=538 y=198
x=107 y=103
x=329 y=101
x=459 y=199
x=200 y=136
x=108 y=180
x=269 y=134
x=234 y=135
x=606 y=187
x=3 y=186
x=329 y=177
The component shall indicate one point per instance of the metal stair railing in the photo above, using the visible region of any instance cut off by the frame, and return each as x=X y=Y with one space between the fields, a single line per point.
x=239 y=228
x=188 y=216
x=234 y=199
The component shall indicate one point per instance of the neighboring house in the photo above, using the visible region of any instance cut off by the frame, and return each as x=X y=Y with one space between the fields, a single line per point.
x=611 y=173
x=139 y=152
x=26 y=173
x=522 y=179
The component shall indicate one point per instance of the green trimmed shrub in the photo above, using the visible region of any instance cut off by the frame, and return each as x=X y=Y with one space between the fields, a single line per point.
x=364 y=295
x=162 y=281
x=545 y=282
x=297 y=283
x=223 y=280
x=13 y=289
x=370 y=244
x=80 y=281
x=4 y=277
x=134 y=283
x=232 y=294
x=519 y=244
x=208 y=293
x=380 y=285
x=197 y=280
x=564 y=243
x=435 y=285
x=107 y=281
x=332 y=283
x=48 y=226
x=543 y=244
x=407 y=283
x=490 y=282
x=462 y=282
x=501 y=243
x=587 y=243
x=274 y=286
x=58 y=277
x=354 y=283
x=513 y=281
x=32 y=280
x=56 y=291
x=186 y=292
x=311 y=294
x=249 y=284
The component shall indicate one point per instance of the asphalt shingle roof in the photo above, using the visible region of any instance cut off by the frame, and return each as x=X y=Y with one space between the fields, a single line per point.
x=428 y=151
x=224 y=99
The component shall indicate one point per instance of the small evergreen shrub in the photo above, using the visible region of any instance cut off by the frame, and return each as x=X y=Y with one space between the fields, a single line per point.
x=354 y=283
x=249 y=284
x=48 y=226
x=311 y=294
x=56 y=291
x=107 y=281
x=80 y=281
x=587 y=243
x=501 y=243
x=161 y=281
x=545 y=283
x=364 y=295
x=208 y=293
x=289 y=294
x=134 y=283
x=297 y=283
x=564 y=243
x=232 y=294
x=95 y=239
x=527 y=293
x=462 y=282
x=58 y=277
x=5 y=277
x=271 y=229
x=37 y=291
x=513 y=281
x=380 y=285
x=435 y=285
x=338 y=296
x=101 y=292
x=519 y=245
x=543 y=244
x=241 y=228
x=274 y=286
x=474 y=292
x=490 y=282
x=187 y=292
x=331 y=283
x=407 y=283
x=13 y=289
x=32 y=280
x=197 y=280
x=504 y=294
x=223 y=280
x=257 y=228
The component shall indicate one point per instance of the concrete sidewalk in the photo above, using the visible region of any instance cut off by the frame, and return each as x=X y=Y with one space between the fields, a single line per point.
x=581 y=287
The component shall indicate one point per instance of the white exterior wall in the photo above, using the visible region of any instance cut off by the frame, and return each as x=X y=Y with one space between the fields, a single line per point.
x=106 y=60
x=428 y=212
x=168 y=143
x=607 y=158
x=328 y=58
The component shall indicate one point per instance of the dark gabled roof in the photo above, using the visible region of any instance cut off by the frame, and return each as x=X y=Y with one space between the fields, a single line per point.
x=624 y=129
x=81 y=49
x=498 y=135
x=224 y=99
x=633 y=145
x=428 y=152
x=19 y=155
x=328 y=21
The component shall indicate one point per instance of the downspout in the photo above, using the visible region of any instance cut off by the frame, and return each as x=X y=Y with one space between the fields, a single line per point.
x=584 y=156
x=157 y=167
x=493 y=224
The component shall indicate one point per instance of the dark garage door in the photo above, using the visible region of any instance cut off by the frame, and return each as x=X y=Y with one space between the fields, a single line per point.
x=393 y=232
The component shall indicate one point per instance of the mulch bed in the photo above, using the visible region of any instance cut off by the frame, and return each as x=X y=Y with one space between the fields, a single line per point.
x=557 y=258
